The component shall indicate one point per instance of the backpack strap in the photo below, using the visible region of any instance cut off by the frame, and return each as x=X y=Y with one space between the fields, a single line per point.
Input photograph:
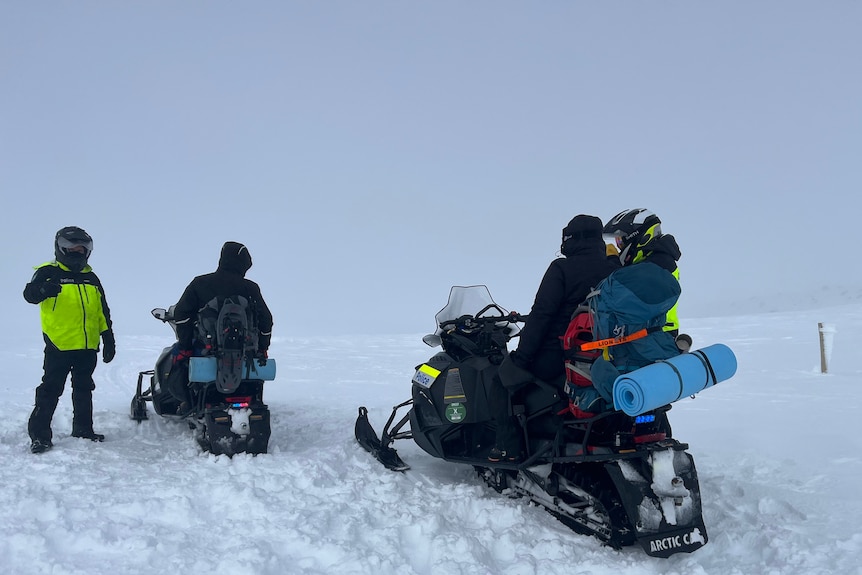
x=612 y=341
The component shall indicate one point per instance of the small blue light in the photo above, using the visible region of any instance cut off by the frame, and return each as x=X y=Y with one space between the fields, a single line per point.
x=644 y=419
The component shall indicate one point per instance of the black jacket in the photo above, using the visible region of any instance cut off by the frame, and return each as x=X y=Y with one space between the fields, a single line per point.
x=664 y=252
x=229 y=279
x=564 y=286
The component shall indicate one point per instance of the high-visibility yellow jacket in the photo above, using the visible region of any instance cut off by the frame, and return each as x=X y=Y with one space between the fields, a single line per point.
x=78 y=315
x=672 y=321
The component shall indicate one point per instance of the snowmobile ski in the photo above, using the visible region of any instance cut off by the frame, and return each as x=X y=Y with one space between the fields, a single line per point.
x=367 y=438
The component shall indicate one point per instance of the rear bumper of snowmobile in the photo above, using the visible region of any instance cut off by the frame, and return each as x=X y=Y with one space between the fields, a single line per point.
x=223 y=427
x=229 y=430
x=661 y=497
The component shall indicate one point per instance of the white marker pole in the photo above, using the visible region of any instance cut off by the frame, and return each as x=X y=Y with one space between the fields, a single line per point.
x=827 y=334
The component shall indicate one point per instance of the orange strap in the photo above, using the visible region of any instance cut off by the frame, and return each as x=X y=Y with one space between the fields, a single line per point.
x=611 y=341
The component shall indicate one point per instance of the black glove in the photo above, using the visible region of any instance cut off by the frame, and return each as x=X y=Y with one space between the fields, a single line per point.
x=261 y=357
x=49 y=289
x=519 y=360
x=109 y=346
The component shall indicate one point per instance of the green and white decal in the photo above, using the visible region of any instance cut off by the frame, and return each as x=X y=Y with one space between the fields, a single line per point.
x=456 y=412
x=454 y=397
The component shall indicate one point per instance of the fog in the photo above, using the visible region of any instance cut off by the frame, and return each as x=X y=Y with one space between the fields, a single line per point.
x=371 y=155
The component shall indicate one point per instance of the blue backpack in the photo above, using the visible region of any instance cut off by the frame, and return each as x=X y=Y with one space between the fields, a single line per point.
x=629 y=308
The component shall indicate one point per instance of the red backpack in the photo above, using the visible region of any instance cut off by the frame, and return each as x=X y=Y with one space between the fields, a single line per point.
x=579 y=386
x=578 y=362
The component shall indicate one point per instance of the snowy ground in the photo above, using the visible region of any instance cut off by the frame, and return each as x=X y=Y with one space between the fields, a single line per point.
x=777 y=450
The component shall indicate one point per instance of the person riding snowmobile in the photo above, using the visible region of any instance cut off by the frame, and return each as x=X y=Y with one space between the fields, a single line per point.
x=564 y=287
x=228 y=280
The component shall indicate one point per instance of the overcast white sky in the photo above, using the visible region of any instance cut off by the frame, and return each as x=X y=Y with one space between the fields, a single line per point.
x=371 y=154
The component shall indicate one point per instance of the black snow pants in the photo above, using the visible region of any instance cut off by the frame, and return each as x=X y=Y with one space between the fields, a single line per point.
x=81 y=363
x=548 y=366
x=508 y=432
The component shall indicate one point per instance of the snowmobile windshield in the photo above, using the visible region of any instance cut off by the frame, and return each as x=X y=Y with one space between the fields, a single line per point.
x=468 y=300
x=471 y=300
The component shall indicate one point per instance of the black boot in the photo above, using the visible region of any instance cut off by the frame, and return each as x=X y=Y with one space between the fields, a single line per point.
x=507 y=444
x=497 y=455
x=39 y=425
x=88 y=434
x=40 y=445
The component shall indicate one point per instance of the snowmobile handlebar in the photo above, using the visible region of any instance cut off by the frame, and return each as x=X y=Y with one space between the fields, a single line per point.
x=469 y=322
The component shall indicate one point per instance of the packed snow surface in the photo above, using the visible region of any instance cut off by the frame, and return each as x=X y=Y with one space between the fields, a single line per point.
x=777 y=450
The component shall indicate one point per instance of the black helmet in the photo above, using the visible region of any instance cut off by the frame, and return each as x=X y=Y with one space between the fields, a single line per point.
x=633 y=230
x=67 y=247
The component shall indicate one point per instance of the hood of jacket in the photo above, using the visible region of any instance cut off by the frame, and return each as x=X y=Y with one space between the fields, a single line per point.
x=664 y=244
x=234 y=258
x=583 y=234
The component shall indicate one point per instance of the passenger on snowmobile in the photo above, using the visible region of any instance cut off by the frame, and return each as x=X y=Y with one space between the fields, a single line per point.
x=637 y=233
x=634 y=309
x=564 y=287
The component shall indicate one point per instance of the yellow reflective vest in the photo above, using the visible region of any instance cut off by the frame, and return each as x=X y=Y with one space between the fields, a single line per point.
x=79 y=314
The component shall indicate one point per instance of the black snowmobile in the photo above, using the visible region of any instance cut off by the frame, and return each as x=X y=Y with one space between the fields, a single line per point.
x=619 y=478
x=220 y=392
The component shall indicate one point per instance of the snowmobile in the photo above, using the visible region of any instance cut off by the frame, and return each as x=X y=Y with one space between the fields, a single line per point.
x=620 y=478
x=219 y=394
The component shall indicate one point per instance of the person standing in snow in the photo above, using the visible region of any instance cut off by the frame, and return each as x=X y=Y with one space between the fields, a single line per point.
x=75 y=315
x=564 y=287
x=228 y=280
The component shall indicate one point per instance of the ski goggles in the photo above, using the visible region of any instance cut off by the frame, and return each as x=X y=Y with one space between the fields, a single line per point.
x=616 y=238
